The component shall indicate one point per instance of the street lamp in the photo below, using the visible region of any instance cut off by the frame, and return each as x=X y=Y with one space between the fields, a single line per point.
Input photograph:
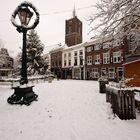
x=25 y=15
x=24 y=94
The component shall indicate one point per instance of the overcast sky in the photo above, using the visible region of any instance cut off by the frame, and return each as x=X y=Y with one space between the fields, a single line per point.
x=51 y=27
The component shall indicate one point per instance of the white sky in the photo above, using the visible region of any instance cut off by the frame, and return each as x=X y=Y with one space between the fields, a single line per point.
x=51 y=27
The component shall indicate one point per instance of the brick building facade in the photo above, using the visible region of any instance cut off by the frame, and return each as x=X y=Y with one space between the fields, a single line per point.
x=104 y=59
x=56 y=61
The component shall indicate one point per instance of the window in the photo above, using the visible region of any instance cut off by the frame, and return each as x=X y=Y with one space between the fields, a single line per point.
x=69 y=55
x=65 y=63
x=97 y=59
x=65 y=55
x=69 y=62
x=4 y=65
x=81 y=57
x=52 y=64
x=106 y=58
x=59 y=63
x=120 y=73
x=81 y=60
x=56 y=63
x=69 y=29
x=89 y=60
x=75 y=58
x=95 y=73
x=111 y=73
x=117 y=57
x=75 y=61
x=69 y=59
x=9 y=65
x=75 y=53
x=81 y=52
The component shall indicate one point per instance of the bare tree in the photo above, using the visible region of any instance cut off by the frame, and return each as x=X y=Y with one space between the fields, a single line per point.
x=115 y=17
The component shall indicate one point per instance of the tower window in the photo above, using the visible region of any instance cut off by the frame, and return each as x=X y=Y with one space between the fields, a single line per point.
x=79 y=30
x=69 y=30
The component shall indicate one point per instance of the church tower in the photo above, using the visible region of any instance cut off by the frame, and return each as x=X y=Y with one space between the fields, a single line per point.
x=73 y=30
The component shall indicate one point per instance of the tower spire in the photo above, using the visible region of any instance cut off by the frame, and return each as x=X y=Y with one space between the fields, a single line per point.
x=74 y=11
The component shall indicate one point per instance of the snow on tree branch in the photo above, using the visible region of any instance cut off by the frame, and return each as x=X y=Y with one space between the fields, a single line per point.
x=115 y=16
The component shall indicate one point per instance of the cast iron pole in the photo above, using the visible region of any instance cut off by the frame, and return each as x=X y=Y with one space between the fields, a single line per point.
x=24 y=79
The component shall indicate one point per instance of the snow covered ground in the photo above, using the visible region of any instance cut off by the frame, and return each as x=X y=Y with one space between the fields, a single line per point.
x=65 y=110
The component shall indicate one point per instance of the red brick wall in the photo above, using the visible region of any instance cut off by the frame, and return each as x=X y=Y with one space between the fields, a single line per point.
x=56 y=59
x=101 y=65
x=132 y=73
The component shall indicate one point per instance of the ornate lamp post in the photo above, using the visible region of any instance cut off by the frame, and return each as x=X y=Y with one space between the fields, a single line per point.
x=24 y=94
x=24 y=15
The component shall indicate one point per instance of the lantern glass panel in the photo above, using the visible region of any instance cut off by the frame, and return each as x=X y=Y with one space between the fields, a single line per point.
x=24 y=15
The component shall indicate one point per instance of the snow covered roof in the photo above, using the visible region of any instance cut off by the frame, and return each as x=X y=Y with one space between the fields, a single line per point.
x=74 y=46
x=97 y=40
x=56 y=48
x=131 y=62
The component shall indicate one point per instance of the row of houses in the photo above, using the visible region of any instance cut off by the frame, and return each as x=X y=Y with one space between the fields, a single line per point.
x=94 y=58
x=91 y=60
x=87 y=60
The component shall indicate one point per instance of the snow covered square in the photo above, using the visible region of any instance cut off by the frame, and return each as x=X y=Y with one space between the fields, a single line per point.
x=65 y=110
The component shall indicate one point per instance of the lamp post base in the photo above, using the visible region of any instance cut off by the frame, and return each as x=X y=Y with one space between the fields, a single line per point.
x=22 y=95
